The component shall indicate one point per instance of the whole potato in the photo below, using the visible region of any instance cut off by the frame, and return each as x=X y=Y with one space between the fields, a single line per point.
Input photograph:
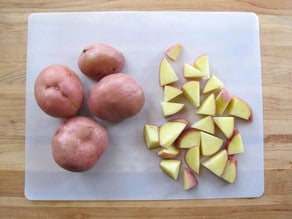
x=78 y=144
x=98 y=60
x=58 y=91
x=116 y=97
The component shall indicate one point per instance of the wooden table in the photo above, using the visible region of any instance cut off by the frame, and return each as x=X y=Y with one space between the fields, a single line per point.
x=276 y=51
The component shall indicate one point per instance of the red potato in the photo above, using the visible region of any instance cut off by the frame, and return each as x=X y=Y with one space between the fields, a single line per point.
x=116 y=97
x=99 y=60
x=58 y=91
x=78 y=144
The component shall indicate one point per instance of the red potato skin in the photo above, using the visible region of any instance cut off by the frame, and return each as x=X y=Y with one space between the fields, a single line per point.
x=232 y=159
x=58 y=91
x=225 y=95
x=78 y=144
x=99 y=60
x=116 y=97
x=191 y=178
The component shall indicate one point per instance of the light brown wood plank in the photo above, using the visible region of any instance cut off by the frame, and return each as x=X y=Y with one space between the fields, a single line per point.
x=275 y=19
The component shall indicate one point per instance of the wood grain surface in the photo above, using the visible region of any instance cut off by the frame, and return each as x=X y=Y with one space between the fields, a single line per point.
x=275 y=18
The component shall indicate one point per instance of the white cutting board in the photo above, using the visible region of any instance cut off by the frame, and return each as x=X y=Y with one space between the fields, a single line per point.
x=127 y=170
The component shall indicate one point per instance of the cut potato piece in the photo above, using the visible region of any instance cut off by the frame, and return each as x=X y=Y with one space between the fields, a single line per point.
x=171 y=168
x=213 y=84
x=169 y=108
x=171 y=92
x=216 y=163
x=239 y=108
x=235 y=144
x=210 y=144
x=191 y=72
x=202 y=63
x=230 y=171
x=205 y=124
x=192 y=159
x=191 y=91
x=208 y=106
x=166 y=73
x=170 y=131
x=174 y=51
x=222 y=101
x=169 y=153
x=225 y=125
x=189 y=137
x=189 y=179
x=151 y=136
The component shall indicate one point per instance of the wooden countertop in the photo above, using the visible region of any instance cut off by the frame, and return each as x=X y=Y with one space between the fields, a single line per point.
x=276 y=50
